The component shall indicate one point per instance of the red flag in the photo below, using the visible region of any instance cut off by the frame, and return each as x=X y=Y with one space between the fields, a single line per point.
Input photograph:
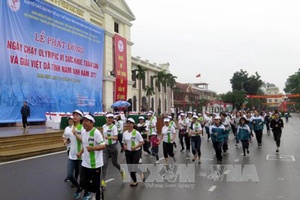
x=198 y=75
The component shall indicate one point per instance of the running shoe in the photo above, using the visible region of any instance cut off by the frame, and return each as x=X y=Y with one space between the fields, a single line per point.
x=123 y=174
x=88 y=196
x=103 y=183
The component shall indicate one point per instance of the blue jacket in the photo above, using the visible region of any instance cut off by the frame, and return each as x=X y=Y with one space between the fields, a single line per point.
x=257 y=122
x=243 y=132
x=217 y=133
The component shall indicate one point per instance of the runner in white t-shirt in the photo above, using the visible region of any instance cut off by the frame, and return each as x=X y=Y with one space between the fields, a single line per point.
x=133 y=141
x=110 y=133
x=92 y=158
x=168 y=133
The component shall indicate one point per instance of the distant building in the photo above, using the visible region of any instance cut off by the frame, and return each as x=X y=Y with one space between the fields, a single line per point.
x=193 y=96
x=273 y=102
x=160 y=100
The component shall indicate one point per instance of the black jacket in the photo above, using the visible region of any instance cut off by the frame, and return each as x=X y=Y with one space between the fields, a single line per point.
x=277 y=125
x=25 y=111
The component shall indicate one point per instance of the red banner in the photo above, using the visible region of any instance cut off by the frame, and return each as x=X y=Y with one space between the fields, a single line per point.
x=273 y=96
x=120 y=51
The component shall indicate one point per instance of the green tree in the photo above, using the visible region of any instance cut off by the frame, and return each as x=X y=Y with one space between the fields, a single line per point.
x=292 y=86
x=236 y=98
x=140 y=75
x=241 y=81
x=164 y=79
x=149 y=92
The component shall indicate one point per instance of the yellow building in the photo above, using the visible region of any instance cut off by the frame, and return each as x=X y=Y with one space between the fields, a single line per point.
x=115 y=17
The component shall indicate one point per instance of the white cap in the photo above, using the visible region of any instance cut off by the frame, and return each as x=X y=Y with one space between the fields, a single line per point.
x=89 y=117
x=154 y=133
x=117 y=115
x=130 y=120
x=195 y=116
x=217 y=117
x=170 y=117
x=78 y=112
x=109 y=115
x=182 y=114
x=199 y=114
x=166 y=120
x=141 y=117
x=149 y=114
x=190 y=112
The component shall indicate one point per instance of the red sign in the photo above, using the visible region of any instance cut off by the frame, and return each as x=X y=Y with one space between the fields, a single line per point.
x=120 y=51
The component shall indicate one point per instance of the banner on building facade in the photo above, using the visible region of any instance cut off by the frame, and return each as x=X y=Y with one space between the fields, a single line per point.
x=49 y=58
x=120 y=54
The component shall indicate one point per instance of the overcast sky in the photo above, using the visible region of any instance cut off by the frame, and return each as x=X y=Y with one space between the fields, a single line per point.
x=219 y=37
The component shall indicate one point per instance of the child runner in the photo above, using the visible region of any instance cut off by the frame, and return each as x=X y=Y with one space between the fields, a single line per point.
x=155 y=147
x=217 y=131
x=243 y=134
x=195 y=131
x=258 y=125
x=277 y=125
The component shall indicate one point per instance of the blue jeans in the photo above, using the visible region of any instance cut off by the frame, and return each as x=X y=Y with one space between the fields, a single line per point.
x=196 y=145
x=73 y=167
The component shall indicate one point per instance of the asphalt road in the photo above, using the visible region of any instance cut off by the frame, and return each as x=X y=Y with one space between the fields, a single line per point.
x=262 y=175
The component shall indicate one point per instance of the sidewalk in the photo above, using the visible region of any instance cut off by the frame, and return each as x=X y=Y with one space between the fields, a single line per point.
x=17 y=130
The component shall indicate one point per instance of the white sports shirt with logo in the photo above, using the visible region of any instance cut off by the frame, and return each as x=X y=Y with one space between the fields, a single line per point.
x=97 y=140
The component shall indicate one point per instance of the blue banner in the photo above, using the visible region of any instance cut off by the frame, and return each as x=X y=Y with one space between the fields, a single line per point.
x=49 y=58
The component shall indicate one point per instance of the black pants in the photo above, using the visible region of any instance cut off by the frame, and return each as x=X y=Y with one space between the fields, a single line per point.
x=218 y=150
x=24 y=121
x=258 y=134
x=207 y=132
x=132 y=160
x=277 y=136
x=90 y=180
x=146 y=144
x=268 y=126
x=245 y=144
x=225 y=144
x=196 y=145
x=168 y=149
x=154 y=152
x=120 y=138
x=183 y=134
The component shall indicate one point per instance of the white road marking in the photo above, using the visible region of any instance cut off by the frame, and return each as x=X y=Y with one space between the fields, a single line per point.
x=202 y=174
x=109 y=180
x=212 y=188
x=34 y=157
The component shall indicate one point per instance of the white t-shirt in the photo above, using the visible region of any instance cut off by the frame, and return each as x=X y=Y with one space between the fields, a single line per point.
x=74 y=145
x=196 y=127
x=167 y=133
x=111 y=130
x=120 y=126
x=93 y=159
x=153 y=128
x=183 y=122
x=131 y=140
x=67 y=134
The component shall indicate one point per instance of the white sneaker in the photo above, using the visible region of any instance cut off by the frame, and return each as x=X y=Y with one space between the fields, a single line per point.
x=157 y=162
x=146 y=154
x=140 y=161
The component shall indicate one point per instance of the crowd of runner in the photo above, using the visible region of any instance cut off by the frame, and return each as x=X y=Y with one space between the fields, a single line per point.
x=89 y=149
